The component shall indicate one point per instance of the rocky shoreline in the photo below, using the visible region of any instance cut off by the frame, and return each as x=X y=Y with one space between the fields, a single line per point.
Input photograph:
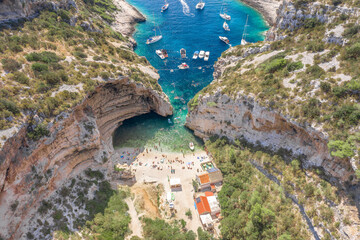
x=126 y=18
x=267 y=8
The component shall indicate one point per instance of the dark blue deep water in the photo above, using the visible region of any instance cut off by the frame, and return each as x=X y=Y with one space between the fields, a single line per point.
x=182 y=26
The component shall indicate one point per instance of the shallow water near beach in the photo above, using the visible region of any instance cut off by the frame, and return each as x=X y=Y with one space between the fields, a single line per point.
x=182 y=26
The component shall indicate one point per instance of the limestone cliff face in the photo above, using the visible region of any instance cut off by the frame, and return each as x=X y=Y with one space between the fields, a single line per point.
x=31 y=171
x=14 y=10
x=244 y=118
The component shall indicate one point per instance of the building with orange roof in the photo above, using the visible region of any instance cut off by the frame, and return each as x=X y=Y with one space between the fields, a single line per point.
x=208 y=194
x=211 y=177
x=202 y=205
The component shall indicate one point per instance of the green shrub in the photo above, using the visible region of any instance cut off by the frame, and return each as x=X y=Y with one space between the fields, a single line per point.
x=339 y=91
x=39 y=67
x=311 y=22
x=353 y=52
x=38 y=132
x=20 y=77
x=315 y=71
x=315 y=46
x=105 y=75
x=350 y=32
x=325 y=87
x=311 y=109
x=341 y=149
x=10 y=65
x=6 y=104
x=79 y=54
x=294 y=66
x=275 y=65
x=349 y=113
x=45 y=57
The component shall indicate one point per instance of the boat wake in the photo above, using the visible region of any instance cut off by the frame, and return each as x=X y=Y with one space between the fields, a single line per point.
x=186 y=9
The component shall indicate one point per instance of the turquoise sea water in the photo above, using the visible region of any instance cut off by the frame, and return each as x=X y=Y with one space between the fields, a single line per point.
x=182 y=26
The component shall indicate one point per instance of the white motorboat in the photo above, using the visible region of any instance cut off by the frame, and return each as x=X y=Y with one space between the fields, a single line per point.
x=225 y=16
x=165 y=7
x=183 y=66
x=196 y=55
x=155 y=38
x=160 y=53
x=224 y=39
x=207 y=55
x=191 y=146
x=200 y=5
x=226 y=26
x=202 y=54
x=243 y=41
x=183 y=53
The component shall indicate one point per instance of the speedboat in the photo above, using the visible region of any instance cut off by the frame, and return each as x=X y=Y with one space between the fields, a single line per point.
x=160 y=53
x=200 y=5
x=183 y=66
x=225 y=16
x=165 y=7
x=243 y=42
x=196 y=55
x=224 y=39
x=207 y=55
x=183 y=53
x=164 y=52
x=202 y=54
x=191 y=146
x=226 y=26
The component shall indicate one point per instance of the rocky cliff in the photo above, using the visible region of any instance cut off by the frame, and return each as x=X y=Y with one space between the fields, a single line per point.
x=17 y=10
x=31 y=171
x=244 y=118
x=266 y=106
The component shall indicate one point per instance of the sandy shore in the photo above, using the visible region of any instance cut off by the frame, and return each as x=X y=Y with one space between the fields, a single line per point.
x=126 y=18
x=155 y=167
x=267 y=8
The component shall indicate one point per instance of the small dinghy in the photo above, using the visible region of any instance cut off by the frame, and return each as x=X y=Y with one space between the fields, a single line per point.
x=165 y=7
x=202 y=54
x=207 y=55
x=160 y=53
x=200 y=5
x=183 y=66
x=183 y=53
x=226 y=26
x=169 y=121
x=224 y=39
x=191 y=146
x=196 y=55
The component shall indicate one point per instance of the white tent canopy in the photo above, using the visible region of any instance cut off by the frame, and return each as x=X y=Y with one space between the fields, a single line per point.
x=175 y=182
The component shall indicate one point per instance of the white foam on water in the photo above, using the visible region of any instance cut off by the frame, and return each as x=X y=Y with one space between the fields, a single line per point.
x=186 y=9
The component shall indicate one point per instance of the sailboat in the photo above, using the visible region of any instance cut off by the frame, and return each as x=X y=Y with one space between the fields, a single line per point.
x=200 y=5
x=243 y=42
x=165 y=7
x=223 y=15
x=226 y=26
x=155 y=38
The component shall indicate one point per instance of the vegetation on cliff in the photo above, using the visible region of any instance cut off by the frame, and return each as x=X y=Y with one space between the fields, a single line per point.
x=50 y=63
x=255 y=207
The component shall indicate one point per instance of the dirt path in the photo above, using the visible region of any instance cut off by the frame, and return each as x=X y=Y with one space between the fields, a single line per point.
x=135 y=225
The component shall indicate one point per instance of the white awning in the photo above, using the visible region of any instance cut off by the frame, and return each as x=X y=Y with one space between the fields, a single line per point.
x=175 y=182
x=206 y=219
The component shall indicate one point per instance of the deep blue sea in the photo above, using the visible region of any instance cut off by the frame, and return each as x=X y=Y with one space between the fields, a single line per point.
x=182 y=26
